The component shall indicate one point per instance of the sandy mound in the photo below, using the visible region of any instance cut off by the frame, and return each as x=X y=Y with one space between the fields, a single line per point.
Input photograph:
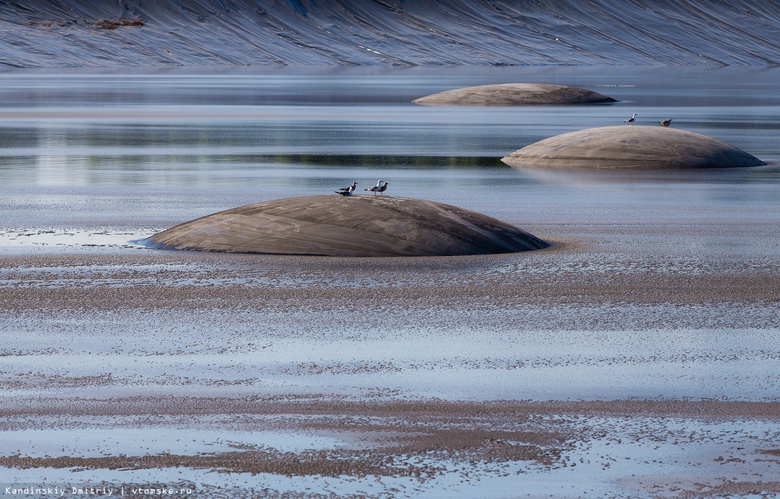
x=362 y=225
x=513 y=94
x=630 y=146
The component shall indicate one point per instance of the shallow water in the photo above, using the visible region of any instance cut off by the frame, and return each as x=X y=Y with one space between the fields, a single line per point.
x=116 y=150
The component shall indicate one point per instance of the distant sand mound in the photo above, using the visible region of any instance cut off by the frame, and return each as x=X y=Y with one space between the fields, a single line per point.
x=361 y=225
x=514 y=94
x=630 y=146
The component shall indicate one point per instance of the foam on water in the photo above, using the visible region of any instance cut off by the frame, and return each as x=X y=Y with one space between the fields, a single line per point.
x=16 y=241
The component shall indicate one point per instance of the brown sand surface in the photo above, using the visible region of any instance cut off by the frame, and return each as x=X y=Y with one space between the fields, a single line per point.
x=206 y=342
x=630 y=147
x=514 y=94
x=414 y=439
x=360 y=225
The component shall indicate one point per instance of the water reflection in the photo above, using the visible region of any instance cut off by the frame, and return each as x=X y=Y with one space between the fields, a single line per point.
x=224 y=139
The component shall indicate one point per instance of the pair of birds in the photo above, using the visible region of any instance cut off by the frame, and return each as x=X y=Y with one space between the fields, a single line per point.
x=381 y=186
x=662 y=122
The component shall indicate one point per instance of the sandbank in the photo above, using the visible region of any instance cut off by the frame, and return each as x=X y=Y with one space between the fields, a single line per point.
x=357 y=225
x=514 y=94
x=631 y=147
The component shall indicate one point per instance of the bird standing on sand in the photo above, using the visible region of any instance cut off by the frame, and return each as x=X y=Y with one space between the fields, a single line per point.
x=665 y=122
x=347 y=191
x=375 y=188
x=631 y=119
x=383 y=188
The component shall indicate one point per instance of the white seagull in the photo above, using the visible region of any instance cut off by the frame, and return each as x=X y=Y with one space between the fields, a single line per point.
x=665 y=122
x=347 y=191
x=383 y=188
x=376 y=187
x=631 y=119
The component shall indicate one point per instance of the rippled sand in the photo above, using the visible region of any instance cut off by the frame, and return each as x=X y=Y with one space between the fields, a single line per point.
x=205 y=33
x=605 y=365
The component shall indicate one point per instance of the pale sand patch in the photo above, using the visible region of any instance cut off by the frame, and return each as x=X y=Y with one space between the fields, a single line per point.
x=631 y=147
x=514 y=94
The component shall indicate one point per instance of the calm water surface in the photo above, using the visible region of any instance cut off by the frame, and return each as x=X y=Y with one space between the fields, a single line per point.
x=112 y=149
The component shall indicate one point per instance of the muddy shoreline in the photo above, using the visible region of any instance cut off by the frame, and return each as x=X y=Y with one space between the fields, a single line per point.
x=416 y=443
x=431 y=374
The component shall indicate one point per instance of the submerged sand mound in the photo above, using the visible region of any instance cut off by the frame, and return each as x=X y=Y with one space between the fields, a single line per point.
x=630 y=146
x=513 y=94
x=363 y=225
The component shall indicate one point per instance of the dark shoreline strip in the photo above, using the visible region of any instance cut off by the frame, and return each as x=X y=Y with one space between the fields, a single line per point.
x=327 y=405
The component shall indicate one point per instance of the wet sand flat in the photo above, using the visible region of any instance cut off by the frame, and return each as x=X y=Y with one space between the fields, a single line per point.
x=407 y=449
x=575 y=369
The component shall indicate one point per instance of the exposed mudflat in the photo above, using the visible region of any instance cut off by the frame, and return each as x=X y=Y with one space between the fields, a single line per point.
x=640 y=371
x=308 y=448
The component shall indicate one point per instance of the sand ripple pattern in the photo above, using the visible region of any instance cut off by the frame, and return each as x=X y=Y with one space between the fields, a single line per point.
x=91 y=33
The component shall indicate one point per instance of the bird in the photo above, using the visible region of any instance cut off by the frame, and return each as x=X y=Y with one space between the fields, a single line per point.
x=383 y=188
x=375 y=188
x=347 y=191
x=665 y=122
x=631 y=119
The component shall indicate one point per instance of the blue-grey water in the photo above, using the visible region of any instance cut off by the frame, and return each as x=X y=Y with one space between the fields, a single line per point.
x=151 y=149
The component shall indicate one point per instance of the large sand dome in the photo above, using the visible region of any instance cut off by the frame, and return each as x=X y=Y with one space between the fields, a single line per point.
x=630 y=146
x=514 y=94
x=361 y=225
